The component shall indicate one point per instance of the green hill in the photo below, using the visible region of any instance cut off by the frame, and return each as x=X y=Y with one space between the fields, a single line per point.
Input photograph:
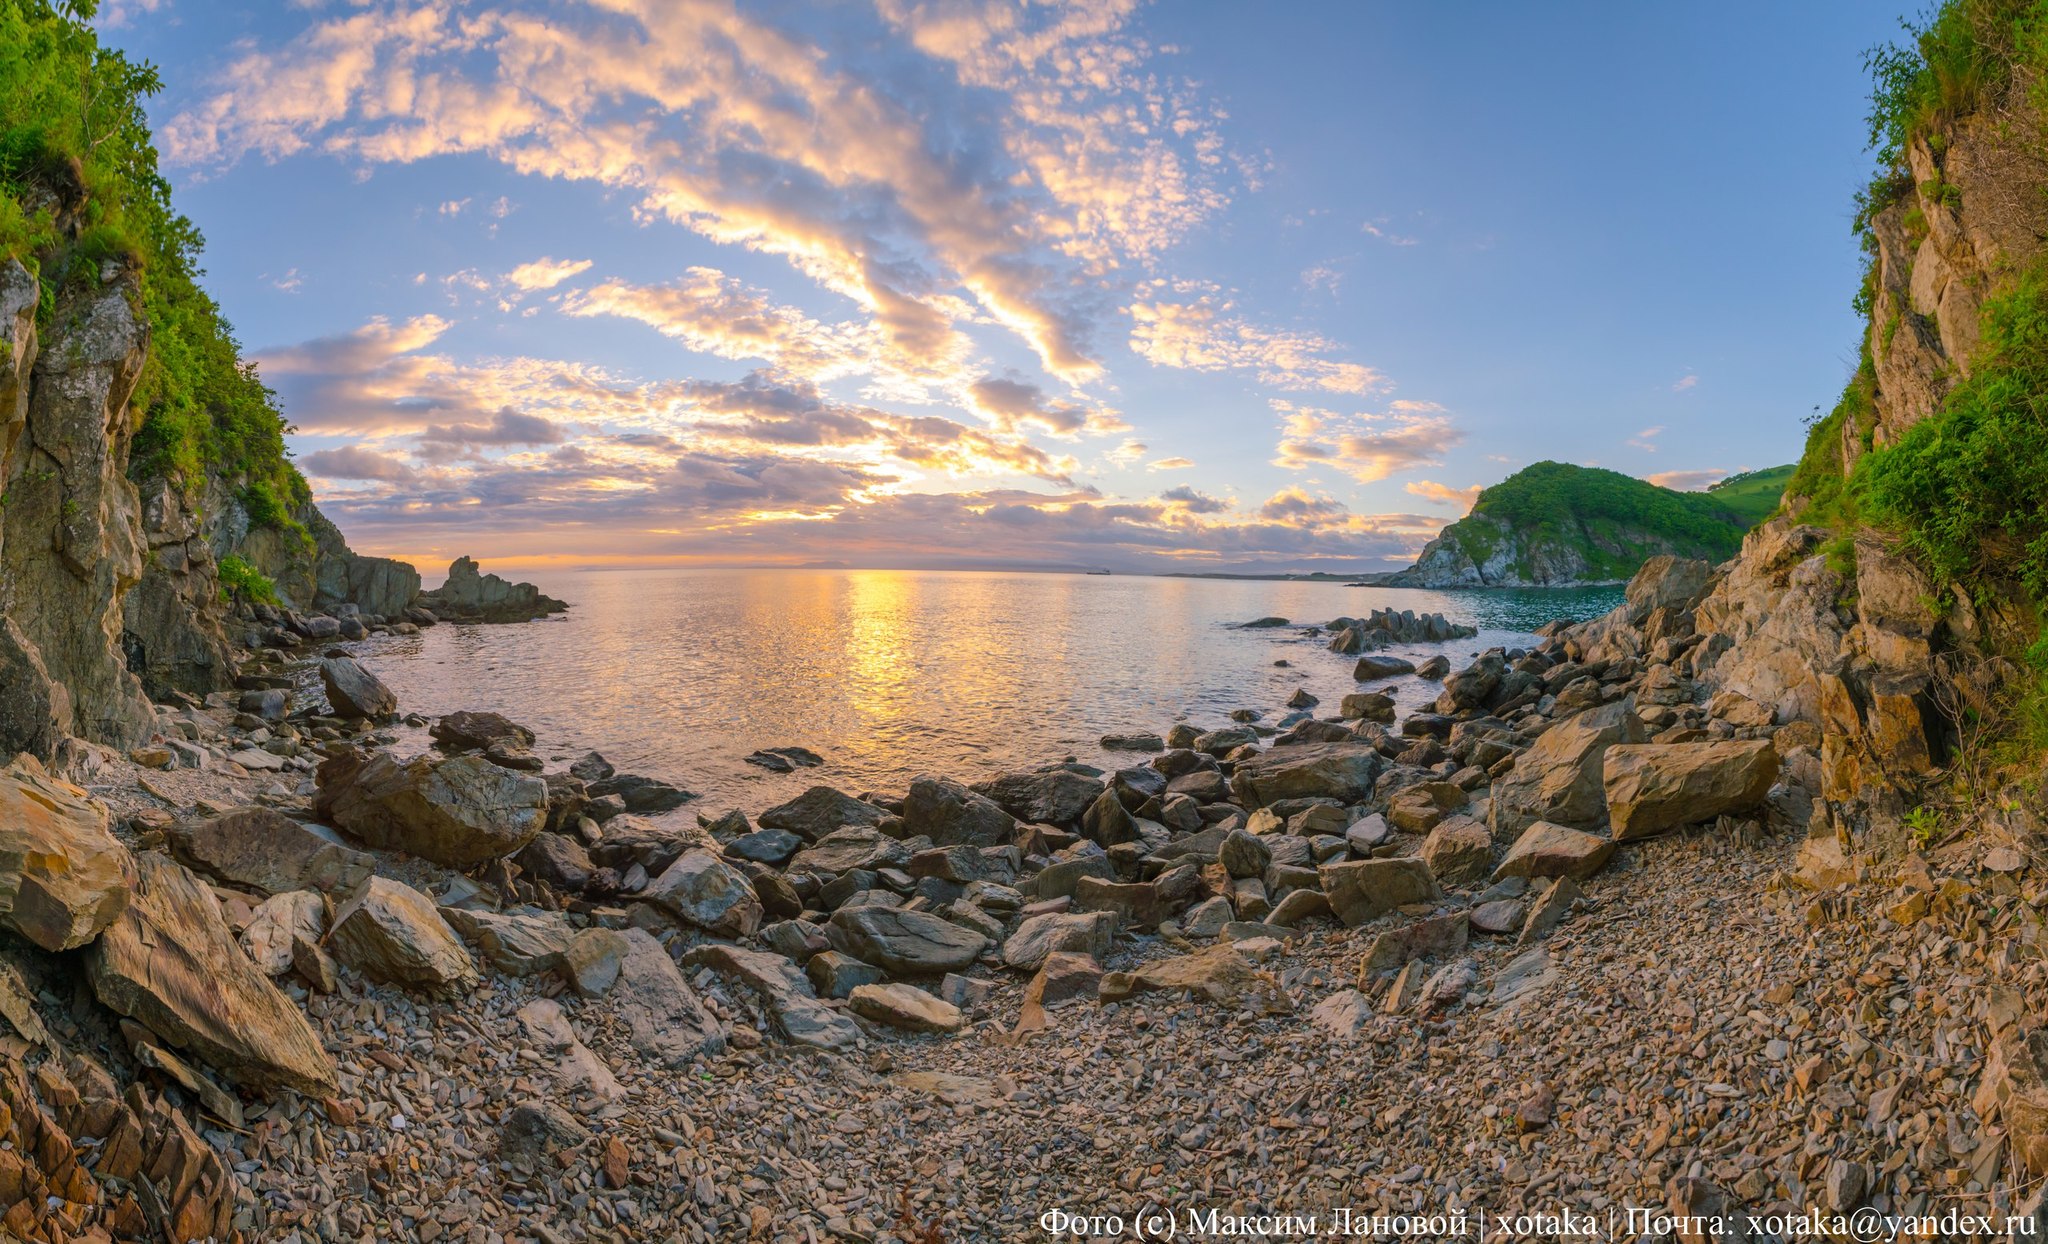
x=1554 y=524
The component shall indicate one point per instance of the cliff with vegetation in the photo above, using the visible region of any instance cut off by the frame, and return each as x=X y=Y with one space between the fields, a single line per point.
x=146 y=484
x=1558 y=525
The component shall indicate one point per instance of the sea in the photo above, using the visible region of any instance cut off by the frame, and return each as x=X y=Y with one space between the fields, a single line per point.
x=888 y=674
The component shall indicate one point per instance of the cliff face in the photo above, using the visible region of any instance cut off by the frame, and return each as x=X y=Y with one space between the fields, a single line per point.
x=72 y=545
x=1831 y=622
x=1490 y=552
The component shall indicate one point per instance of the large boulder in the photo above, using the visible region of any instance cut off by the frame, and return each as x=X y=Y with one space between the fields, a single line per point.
x=1559 y=778
x=704 y=891
x=1085 y=933
x=461 y=811
x=393 y=935
x=269 y=852
x=904 y=943
x=949 y=813
x=1049 y=797
x=667 y=1023
x=1547 y=850
x=170 y=963
x=355 y=691
x=819 y=811
x=1653 y=787
x=63 y=876
x=1361 y=891
x=1342 y=771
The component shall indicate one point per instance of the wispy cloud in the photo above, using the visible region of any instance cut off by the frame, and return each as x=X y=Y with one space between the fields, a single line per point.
x=1684 y=382
x=546 y=273
x=1444 y=494
x=1688 y=481
x=1366 y=447
x=1646 y=440
x=1203 y=334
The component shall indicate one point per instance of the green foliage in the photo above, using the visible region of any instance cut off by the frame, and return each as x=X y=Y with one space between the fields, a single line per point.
x=1753 y=496
x=1968 y=486
x=1925 y=826
x=241 y=581
x=1825 y=491
x=1614 y=521
x=79 y=185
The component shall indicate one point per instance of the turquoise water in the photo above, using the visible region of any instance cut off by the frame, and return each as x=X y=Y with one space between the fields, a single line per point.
x=679 y=674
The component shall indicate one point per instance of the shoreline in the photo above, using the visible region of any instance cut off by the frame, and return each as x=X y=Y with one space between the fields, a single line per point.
x=579 y=1036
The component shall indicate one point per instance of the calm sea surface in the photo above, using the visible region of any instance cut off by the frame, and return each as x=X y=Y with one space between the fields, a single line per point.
x=678 y=674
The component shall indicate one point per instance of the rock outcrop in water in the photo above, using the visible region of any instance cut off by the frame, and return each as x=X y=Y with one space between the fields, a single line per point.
x=471 y=595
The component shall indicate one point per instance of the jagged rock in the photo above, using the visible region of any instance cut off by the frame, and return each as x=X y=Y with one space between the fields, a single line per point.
x=1655 y=787
x=282 y=923
x=170 y=963
x=1560 y=777
x=460 y=811
x=1088 y=933
x=1132 y=742
x=468 y=593
x=948 y=813
x=73 y=548
x=593 y=961
x=1458 y=851
x=1107 y=822
x=560 y=861
x=267 y=851
x=1421 y=807
x=63 y=876
x=393 y=935
x=1433 y=938
x=355 y=691
x=514 y=943
x=1547 y=850
x=906 y=943
x=472 y=730
x=1219 y=974
x=819 y=811
x=2014 y=1088
x=1345 y=772
x=1363 y=890
x=1244 y=855
x=906 y=1007
x=1063 y=980
x=1668 y=582
x=577 y=1068
x=765 y=846
x=702 y=890
x=784 y=992
x=640 y=794
x=653 y=845
x=669 y=1026
x=35 y=709
x=1343 y=1015
x=836 y=975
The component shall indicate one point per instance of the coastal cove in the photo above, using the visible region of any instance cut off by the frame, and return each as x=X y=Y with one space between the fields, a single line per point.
x=888 y=674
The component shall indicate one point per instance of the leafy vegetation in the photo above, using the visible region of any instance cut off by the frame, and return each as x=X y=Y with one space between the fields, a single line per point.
x=80 y=185
x=239 y=581
x=1614 y=521
x=1753 y=496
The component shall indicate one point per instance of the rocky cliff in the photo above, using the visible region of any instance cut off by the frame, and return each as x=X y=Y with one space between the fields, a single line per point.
x=1557 y=525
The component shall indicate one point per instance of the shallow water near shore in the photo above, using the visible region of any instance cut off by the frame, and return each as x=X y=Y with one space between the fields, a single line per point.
x=679 y=674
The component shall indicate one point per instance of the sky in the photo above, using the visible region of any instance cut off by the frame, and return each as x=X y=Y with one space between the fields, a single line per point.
x=1176 y=286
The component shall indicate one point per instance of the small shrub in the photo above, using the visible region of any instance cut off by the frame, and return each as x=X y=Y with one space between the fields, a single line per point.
x=239 y=581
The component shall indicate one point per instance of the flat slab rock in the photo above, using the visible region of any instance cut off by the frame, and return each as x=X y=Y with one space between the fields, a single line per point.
x=271 y=853
x=170 y=963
